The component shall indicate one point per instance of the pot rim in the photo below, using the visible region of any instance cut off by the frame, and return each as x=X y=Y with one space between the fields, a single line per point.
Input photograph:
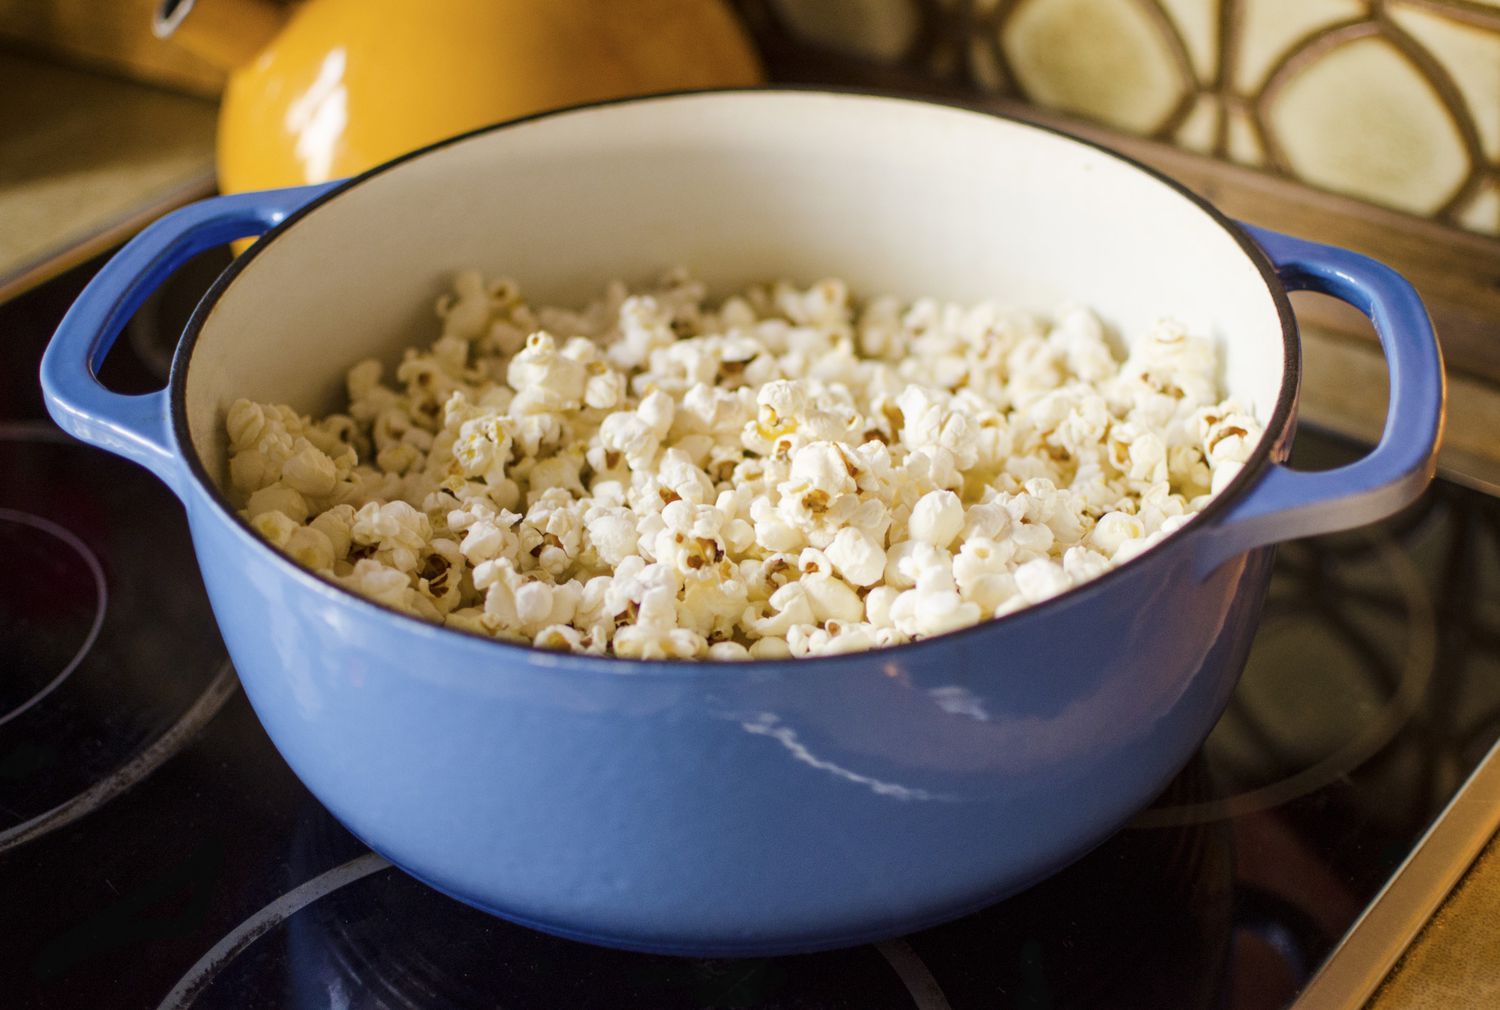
x=1277 y=425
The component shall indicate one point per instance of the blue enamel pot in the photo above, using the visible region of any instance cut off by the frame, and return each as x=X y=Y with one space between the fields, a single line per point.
x=736 y=809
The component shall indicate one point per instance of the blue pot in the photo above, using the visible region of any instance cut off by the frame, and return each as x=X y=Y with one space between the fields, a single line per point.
x=756 y=807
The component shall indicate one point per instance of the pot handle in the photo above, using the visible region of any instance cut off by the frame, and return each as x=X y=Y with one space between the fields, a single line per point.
x=1286 y=504
x=139 y=427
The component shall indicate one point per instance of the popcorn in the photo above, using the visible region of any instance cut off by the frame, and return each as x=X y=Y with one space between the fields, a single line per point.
x=486 y=537
x=336 y=524
x=611 y=533
x=933 y=606
x=439 y=575
x=275 y=526
x=983 y=571
x=251 y=469
x=643 y=327
x=677 y=473
x=466 y=311
x=1041 y=579
x=728 y=651
x=789 y=473
x=1113 y=531
x=308 y=546
x=878 y=602
x=362 y=380
x=1082 y=564
x=654 y=635
x=770 y=648
x=540 y=369
x=1230 y=438
x=792 y=605
x=379 y=583
x=832 y=599
x=276 y=498
x=857 y=556
x=822 y=465
x=244 y=423
x=657 y=410
x=626 y=433
x=1223 y=474
x=908 y=560
x=937 y=518
x=772 y=532
x=561 y=638
x=395 y=532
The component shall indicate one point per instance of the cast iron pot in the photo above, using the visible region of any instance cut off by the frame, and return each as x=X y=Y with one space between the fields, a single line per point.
x=757 y=807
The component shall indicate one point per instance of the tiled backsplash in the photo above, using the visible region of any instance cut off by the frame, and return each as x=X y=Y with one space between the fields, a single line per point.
x=1392 y=101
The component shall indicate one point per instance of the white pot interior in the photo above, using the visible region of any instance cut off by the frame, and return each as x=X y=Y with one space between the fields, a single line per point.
x=891 y=195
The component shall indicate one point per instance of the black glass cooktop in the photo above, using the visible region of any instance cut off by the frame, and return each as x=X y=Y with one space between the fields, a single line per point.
x=156 y=852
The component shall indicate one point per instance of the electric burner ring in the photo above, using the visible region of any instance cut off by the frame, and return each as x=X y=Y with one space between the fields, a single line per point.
x=908 y=966
x=101 y=600
x=1416 y=671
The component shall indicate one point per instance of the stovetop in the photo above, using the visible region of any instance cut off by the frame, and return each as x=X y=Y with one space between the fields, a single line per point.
x=156 y=852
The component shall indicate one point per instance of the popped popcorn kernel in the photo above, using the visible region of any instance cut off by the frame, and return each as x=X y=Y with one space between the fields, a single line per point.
x=789 y=472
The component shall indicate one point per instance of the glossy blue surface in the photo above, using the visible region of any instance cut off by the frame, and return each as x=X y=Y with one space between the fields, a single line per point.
x=757 y=807
x=139 y=427
x=1286 y=504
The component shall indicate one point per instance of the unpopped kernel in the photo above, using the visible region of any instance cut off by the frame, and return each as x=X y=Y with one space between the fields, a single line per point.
x=787 y=472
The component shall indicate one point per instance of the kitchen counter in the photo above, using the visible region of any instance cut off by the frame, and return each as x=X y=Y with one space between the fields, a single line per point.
x=86 y=160
x=1455 y=960
x=1431 y=939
